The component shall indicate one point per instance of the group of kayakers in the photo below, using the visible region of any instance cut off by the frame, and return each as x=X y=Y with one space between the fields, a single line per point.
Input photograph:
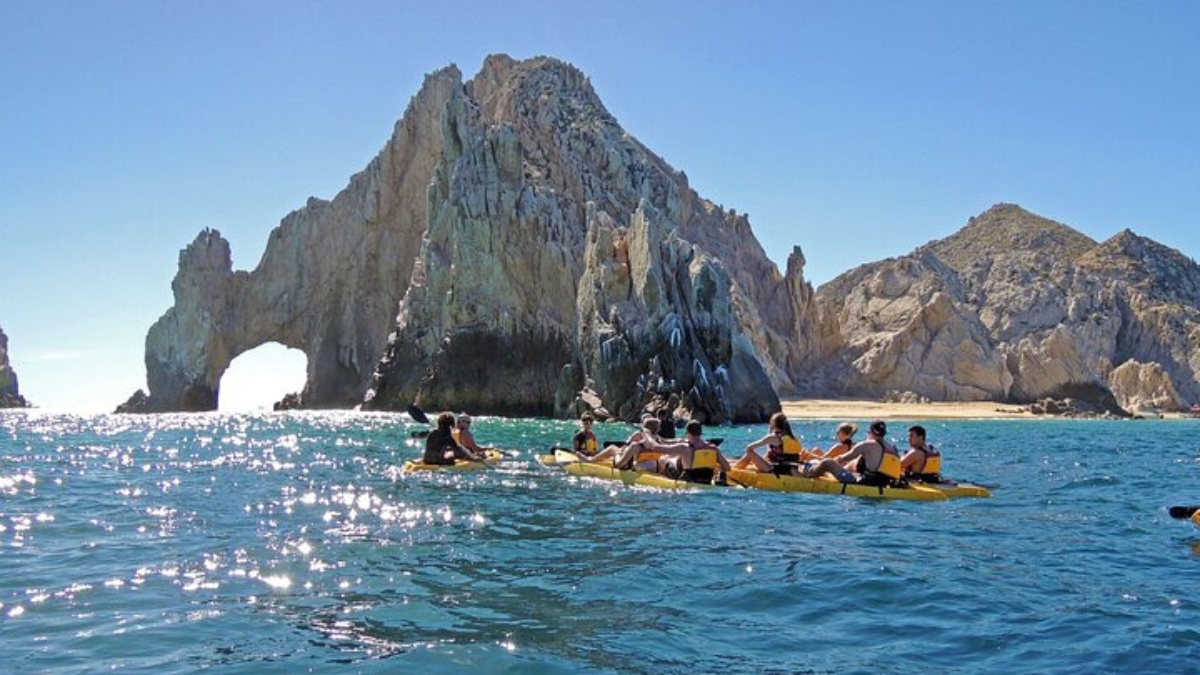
x=873 y=461
x=451 y=440
x=690 y=457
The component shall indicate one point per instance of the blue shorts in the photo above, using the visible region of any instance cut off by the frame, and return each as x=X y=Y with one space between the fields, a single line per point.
x=845 y=476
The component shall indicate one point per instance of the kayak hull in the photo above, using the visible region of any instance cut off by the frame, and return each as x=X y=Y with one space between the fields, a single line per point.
x=560 y=456
x=414 y=465
x=955 y=490
x=829 y=485
x=608 y=472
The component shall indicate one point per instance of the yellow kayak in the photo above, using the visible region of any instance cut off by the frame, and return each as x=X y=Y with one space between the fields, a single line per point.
x=608 y=472
x=491 y=455
x=560 y=456
x=954 y=489
x=829 y=485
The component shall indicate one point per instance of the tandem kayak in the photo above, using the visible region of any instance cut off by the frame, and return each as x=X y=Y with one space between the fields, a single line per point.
x=491 y=455
x=955 y=489
x=830 y=485
x=557 y=457
x=628 y=477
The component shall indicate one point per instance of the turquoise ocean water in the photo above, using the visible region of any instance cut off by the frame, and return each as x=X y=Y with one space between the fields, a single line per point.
x=291 y=543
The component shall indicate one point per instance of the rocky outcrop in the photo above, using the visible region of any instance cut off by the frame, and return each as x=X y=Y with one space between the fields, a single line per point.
x=328 y=283
x=10 y=394
x=564 y=262
x=657 y=312
x=449 y=271
x=1017 y=307
x=512 y=250
x=1139 y=386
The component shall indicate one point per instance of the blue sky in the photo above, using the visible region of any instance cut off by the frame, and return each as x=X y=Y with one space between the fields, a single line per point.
x=856 y=130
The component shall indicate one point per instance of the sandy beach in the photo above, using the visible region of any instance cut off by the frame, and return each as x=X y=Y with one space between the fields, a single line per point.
x=850 y=409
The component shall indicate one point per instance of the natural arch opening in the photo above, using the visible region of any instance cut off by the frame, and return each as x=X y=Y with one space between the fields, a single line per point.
x=258 y=378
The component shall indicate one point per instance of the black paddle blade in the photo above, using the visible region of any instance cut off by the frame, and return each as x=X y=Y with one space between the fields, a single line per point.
x=417 y=414
x=419 y=433
x=1183 y=512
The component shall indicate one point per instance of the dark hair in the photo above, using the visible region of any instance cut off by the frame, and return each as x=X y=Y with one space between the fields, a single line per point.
x=694 y=427
x=780 y=422
x=445 y=421
x=879 y=428
x=587 y=417
x=918 y=430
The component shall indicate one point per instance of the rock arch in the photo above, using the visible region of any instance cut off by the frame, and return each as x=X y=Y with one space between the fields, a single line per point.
x=328 y=284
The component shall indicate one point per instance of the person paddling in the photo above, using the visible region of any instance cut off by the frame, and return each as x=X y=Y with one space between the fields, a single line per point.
x=441 y=447
x=462 y=434
x=702 y=461
x=646 y=440
x=585 y=444
x=874 y=461
x=922 y=462
x=784 y=451
x=845 y=440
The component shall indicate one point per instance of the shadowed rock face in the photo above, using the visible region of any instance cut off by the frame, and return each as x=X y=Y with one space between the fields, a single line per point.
x=545 y=219
x=448 y=272
x=1017 y=307
x=656 y=311
x=10 y=394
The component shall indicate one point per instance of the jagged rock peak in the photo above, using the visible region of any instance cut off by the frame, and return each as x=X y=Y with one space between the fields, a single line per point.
x=1146 y=265
x=10 y=395
x=1004 y=230
x=532 y=158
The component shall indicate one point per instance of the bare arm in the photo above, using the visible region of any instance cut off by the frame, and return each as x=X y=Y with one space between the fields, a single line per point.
x=467 y=440
x=654 y=444
x=911 y=459
x=769 y=439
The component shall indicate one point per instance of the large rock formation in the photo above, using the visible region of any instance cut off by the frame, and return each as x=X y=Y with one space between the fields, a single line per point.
x=512 y=250
x=328 y=283
x=1017 y=307
x=512 y=310
x=474 y=222
x=10 y=394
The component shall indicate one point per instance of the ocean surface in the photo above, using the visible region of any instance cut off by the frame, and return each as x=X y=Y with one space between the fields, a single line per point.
x=291 y=543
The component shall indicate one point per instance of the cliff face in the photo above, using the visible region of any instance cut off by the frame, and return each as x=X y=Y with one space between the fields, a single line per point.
x=448 y=272
x=328 y=283
x=553 y=233
x=512 y=250
x=10 y=394
x=1017 y=307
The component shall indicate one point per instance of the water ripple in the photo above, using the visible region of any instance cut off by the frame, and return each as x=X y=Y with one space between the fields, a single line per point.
x=271 y=543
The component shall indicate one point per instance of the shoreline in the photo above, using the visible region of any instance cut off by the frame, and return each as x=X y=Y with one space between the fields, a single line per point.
x=839 y=409
x=858 y=409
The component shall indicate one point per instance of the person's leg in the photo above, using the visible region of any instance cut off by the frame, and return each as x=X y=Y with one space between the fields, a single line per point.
x=823 y=467
x=625 y=457
x=752 y=460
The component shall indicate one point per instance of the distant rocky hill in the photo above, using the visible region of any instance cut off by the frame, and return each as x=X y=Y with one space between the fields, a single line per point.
x=1017 y=307
x=10 y=394
x=512 y=250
